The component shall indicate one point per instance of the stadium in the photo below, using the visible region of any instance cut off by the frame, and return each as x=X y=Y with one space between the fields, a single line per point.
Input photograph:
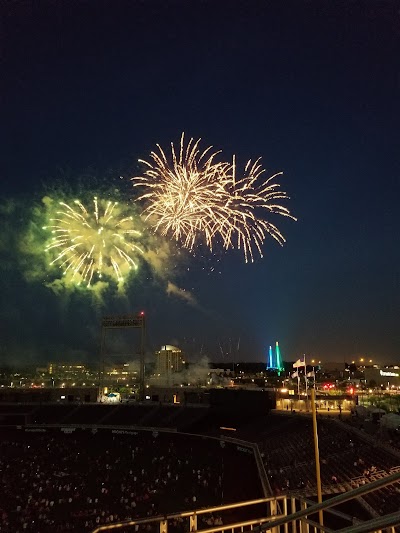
x=235 y=464
x=198 y=266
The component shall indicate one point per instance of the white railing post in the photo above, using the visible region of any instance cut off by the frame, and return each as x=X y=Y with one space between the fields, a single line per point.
x=274 y=511
x=193 y=522
x=164 y=526
x=285 y=511
x=305 y=528
x=292 y=511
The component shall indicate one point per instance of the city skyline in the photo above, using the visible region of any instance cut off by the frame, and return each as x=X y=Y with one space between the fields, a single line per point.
x=312 y=90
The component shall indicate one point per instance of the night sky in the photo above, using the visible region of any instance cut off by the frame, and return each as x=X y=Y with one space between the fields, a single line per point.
x=90 y=87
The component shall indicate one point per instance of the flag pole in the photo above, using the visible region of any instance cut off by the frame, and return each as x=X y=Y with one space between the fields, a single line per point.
x=316 y=451
x=305 y=377
x=298 y=388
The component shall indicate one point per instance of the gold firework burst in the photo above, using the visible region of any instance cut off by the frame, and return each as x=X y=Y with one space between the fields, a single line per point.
x=192 y=197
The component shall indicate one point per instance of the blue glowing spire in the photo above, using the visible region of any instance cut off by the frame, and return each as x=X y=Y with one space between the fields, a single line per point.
x=270 y=364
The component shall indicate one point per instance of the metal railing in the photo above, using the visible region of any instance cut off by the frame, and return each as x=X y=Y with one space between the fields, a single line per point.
x=283 y=522
x=193 y=515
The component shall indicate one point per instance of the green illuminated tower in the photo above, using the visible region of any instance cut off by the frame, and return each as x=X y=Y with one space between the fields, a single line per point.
x=279 y=364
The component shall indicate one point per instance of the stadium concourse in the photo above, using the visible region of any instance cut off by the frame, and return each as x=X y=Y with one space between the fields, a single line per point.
x=75 y=467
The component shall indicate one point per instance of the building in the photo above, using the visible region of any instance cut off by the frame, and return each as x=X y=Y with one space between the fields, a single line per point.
x=382 y=377
x=64 y=369
x=169 y=360
x=43 y=395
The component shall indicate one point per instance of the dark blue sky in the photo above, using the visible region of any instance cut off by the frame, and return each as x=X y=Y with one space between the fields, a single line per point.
x=311 y=86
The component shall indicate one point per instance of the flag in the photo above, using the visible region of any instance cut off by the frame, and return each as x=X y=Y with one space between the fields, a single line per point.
x=295 y=374
x=311 y=375
x=299 y=363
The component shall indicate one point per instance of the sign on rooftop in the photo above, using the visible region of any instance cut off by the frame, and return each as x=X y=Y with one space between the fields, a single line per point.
x=123 y=321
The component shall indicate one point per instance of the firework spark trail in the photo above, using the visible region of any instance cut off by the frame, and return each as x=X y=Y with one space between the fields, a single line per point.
x=88 y=244
x=193 y=198
x=250 y=204
x=187 y=195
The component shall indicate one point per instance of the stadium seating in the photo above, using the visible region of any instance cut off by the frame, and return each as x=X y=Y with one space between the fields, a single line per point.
x=346 y=460
x=96 y=468
x=72 y=480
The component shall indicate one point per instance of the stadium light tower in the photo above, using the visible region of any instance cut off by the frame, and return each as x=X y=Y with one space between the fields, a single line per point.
x=123 y=322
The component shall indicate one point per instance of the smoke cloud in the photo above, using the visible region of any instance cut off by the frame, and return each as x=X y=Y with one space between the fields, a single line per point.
x=181 y=293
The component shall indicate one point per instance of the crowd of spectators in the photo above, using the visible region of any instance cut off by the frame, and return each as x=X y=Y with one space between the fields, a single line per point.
x=346 y=459
x=56 y=482
x=343 y=455
x=75 y=480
